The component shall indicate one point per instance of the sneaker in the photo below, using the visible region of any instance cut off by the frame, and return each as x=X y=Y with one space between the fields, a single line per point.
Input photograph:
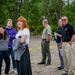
x=10 y=71
x=15 y=71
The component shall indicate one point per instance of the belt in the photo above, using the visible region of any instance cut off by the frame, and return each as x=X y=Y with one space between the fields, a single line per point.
x=43 y=39
x=65 y=41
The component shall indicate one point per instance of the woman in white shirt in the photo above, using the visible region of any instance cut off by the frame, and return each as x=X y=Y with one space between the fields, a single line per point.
x=24 y=64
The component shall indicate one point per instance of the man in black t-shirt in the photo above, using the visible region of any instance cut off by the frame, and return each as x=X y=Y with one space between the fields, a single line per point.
x=67 y=39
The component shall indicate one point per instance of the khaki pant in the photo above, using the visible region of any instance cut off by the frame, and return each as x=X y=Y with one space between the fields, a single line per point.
x=68 y=58
x=73 y=45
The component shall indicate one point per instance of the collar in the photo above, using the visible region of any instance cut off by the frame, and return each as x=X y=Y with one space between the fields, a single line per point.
x=8 y=27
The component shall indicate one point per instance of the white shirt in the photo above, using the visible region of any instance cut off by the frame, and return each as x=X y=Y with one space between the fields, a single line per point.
x=24 y=32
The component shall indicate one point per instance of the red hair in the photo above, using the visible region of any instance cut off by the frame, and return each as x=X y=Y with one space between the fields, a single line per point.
x=23 y=20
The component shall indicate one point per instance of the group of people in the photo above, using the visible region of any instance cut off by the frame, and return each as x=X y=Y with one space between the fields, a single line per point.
x=65 y=36
x=7 y=36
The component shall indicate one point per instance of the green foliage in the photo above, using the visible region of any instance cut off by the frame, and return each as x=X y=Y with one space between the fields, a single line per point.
x=54 y=28
x=35 y=11
x=37 y=30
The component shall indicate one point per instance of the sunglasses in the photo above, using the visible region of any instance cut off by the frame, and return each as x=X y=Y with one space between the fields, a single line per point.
x=64 y=19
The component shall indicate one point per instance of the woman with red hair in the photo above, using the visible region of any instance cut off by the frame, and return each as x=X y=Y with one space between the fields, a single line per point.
x=24 y=64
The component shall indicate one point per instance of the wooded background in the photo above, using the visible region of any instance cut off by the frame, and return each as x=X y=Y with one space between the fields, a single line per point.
x=35 y=11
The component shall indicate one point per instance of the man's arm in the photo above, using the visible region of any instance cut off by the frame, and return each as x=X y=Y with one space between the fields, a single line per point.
x=48 y=37
x=72 y=39
x=73 y=34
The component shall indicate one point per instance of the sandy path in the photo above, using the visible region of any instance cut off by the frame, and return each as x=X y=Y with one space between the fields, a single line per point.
x=35 y=53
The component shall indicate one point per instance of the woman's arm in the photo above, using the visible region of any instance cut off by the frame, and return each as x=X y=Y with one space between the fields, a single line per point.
x=58 y=34
x=23 y=38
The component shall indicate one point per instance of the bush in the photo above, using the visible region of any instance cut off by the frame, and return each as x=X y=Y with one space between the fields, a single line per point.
x=54 y=28
x=38 y=30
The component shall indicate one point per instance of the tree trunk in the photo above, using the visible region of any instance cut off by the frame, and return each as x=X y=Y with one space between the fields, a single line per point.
x=68 y=4
x=60 y=8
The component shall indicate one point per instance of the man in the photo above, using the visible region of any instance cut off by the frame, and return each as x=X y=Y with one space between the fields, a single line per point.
x=67 y=39
x=11 y=32
x=58 y=40
x=46 y=35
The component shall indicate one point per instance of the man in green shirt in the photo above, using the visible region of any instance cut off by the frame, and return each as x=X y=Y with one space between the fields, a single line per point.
x=46 y=35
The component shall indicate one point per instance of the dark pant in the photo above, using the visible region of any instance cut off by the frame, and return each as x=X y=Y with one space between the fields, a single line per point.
x=60 y=55
x=5 y=55
x=46 y=51
x=24 y=65
x=11 y=52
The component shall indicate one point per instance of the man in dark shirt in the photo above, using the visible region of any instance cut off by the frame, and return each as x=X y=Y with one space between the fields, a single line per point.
x=67 y=39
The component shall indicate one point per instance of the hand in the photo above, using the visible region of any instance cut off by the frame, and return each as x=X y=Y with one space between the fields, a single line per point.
x=61 y=45
x=70 y=42
x=47 y=40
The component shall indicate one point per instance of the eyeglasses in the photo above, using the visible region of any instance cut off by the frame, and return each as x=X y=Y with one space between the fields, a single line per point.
x=64 y=19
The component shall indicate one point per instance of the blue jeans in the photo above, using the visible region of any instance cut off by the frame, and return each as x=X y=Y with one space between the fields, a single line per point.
x=11 y=52
x=5 y=55
x=60 y=55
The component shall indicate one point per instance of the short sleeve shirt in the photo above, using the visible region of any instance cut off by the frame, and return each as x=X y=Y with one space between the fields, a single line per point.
x=67 y=32
x=24 y=32
x=46 y=31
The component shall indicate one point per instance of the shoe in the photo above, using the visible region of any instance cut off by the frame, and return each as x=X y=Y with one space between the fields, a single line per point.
x=10 y=71
x=47 y=64
x=60 y=68
x=64 y=74
x=15 y=71
x=41 y=63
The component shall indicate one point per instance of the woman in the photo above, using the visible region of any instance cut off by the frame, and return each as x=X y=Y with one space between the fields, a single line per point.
x=58 y=40
x=24 y=64
x=4 y=39
x=12 y=33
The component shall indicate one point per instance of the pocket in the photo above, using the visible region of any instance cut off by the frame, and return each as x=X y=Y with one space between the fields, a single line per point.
x=68 y=45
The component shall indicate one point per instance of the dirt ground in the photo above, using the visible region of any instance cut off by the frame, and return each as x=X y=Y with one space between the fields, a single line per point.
x=35 y=55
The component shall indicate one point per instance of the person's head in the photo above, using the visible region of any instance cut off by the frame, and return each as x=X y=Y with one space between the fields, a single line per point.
x=64 y=20
x=60 y=22
x=2 y=32
x=22 y=23
x=45 y=22
x=9 y=22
